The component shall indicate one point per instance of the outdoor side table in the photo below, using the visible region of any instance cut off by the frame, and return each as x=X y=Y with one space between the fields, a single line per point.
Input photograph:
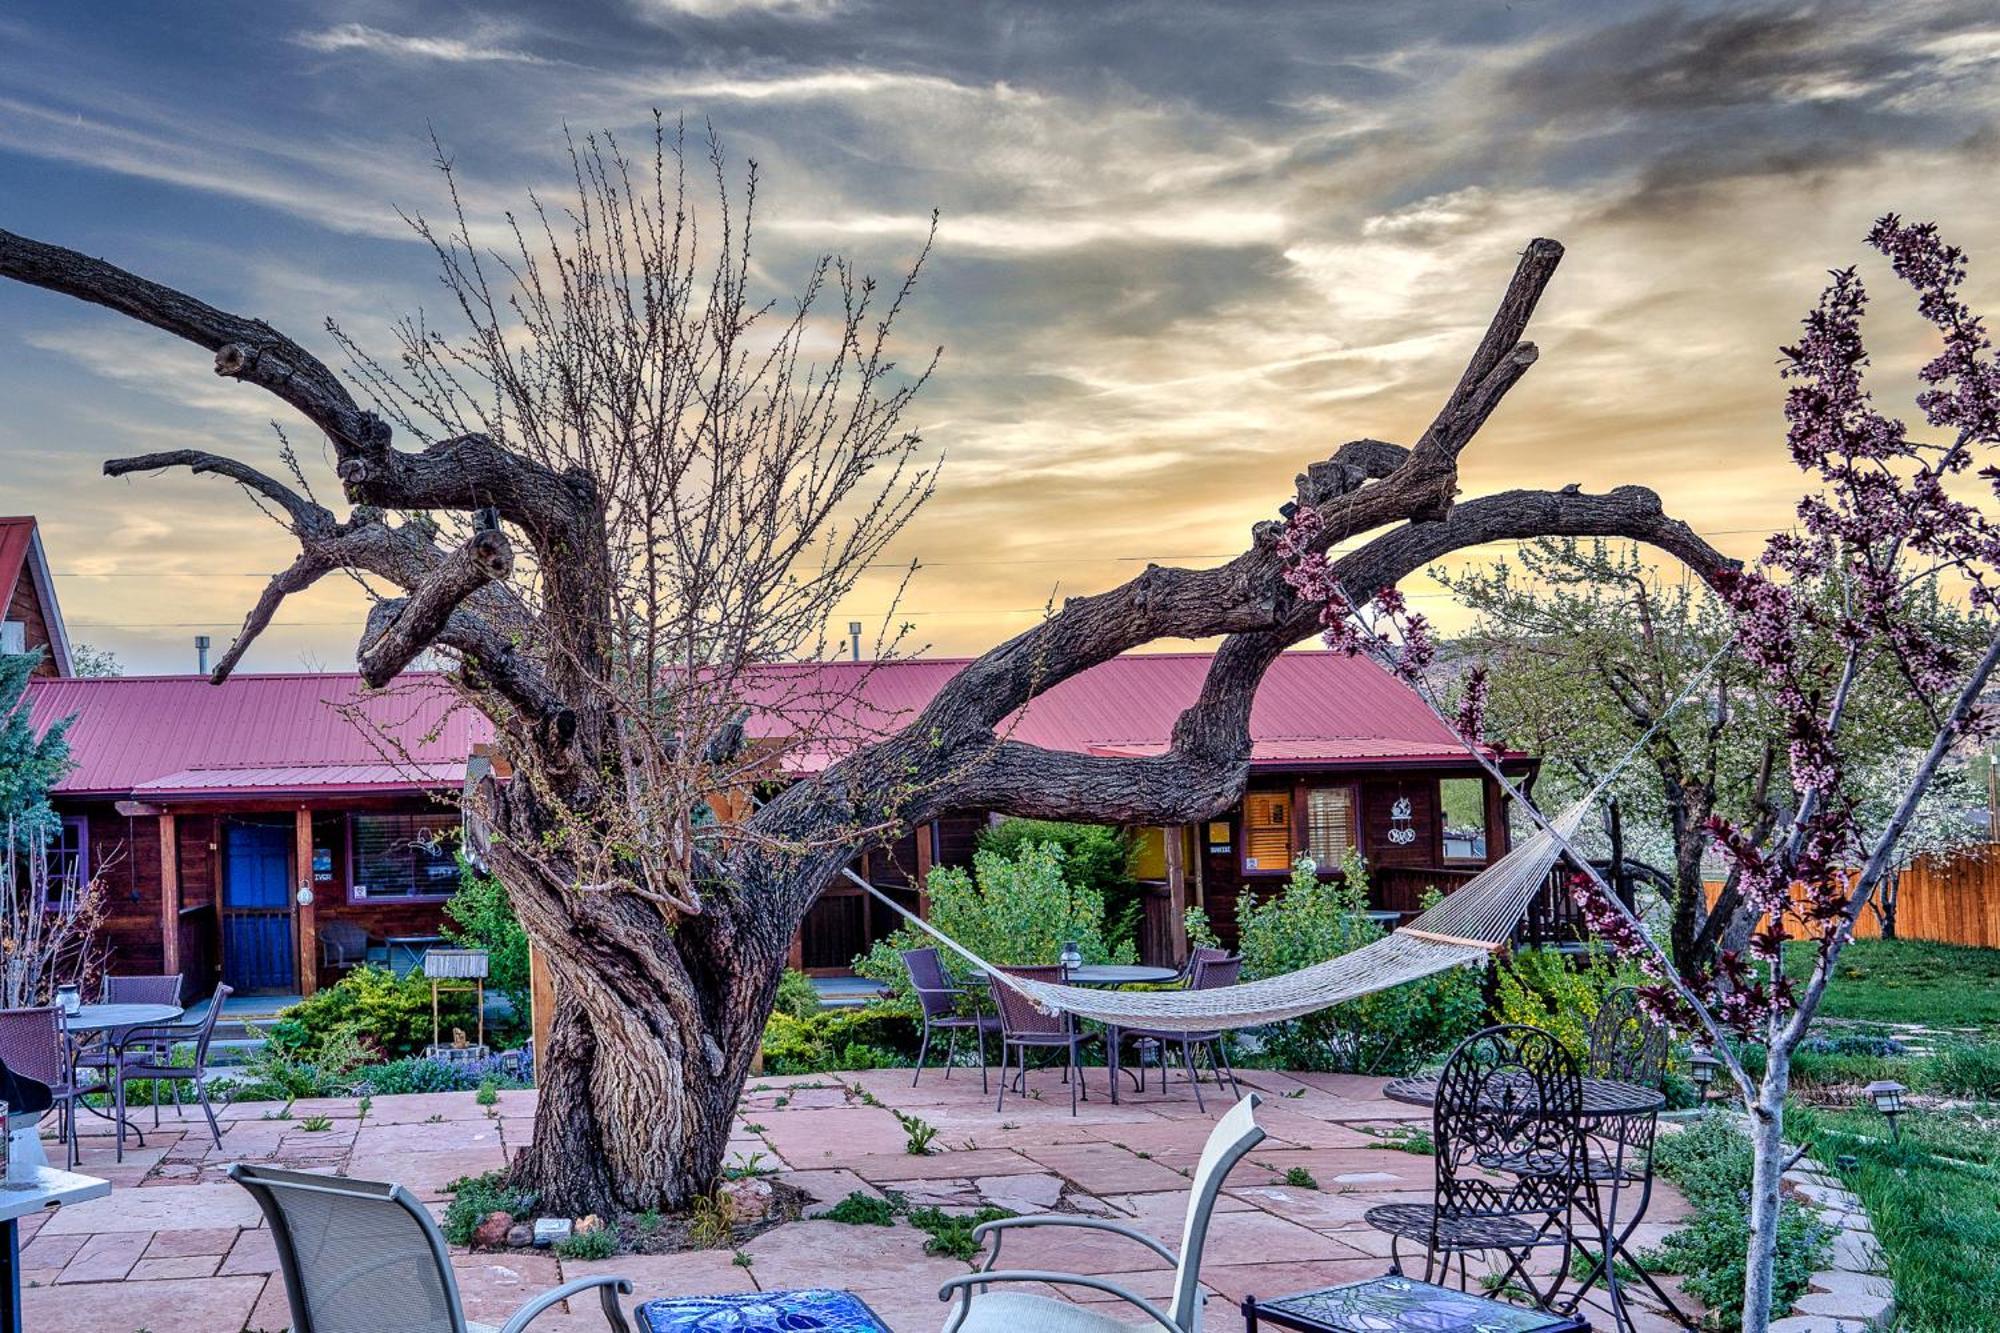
x=812 y=1310
x=1395 y=1304
x=43 y=1187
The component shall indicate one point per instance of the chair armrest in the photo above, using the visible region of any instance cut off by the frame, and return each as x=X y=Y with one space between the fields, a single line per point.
x=965 y=1286
x=984 y=1229
x=608 y=1288
x=154 y=1034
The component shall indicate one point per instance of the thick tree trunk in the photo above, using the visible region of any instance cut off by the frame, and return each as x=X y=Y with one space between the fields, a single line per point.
x=1767 y=1142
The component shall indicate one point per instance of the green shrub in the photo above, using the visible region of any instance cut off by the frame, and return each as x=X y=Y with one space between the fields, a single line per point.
x=862 y=1210
x=1711 y=1163
x=1312 y=920
x=1012 y=910
x=1096 y=857
x=1559 y=992
x=797 y=996
x=392 y=1016
x=274 y=1073
x=480 y=916
x=473 y=1197
x=598 y=1243
x=876 y=1036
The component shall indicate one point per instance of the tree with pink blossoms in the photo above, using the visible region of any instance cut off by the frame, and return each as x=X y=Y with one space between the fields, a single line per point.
x=1891 y=516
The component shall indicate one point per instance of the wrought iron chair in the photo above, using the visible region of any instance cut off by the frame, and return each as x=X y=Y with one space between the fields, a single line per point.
x=982 y=1311
x=1211 y=969
x=359 y=1254
x=939 y=997
x=1510 y=1100
x=32 y=1044
x=1022 y=1027
x=146 y=1053
x=1625 y=1044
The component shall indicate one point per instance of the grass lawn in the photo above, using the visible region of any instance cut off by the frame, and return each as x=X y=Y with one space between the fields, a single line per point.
x=1909 y=981
x=1935 y=1202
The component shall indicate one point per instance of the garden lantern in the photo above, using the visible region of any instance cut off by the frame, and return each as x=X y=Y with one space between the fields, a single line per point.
x=1887 y=1095
x=1072 y=957
x=1701 y=1068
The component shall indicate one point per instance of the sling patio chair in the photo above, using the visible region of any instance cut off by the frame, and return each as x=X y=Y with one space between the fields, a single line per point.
x=144 y=989
x=32 y=1044
x=146 y=1053
x=344 y=945
x=1510 y=1101
x=361 y=1256
x=939 y=997
x=1208 y=969
x=980 y=1310
x=1023 y=1027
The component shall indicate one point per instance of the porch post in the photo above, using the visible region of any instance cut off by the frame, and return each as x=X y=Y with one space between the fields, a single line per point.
x=170 y=895
x=308 y=912
x=1173 y=839
x=541 y=1002
x=926 y=838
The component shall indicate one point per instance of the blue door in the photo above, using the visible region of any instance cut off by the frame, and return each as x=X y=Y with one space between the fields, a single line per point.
x=257 y=907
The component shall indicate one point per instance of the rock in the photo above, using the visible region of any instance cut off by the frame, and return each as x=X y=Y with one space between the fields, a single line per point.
x=520 y=1235
x=588 y=1224
x=492 y=1231
x=1030 y=1193
x=549 y=1230
x=747 y=1200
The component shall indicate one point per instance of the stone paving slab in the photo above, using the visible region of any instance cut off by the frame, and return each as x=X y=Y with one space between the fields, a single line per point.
x=178 y=1247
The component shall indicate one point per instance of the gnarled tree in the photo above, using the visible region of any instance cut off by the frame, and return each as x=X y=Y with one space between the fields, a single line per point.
x=628 y=496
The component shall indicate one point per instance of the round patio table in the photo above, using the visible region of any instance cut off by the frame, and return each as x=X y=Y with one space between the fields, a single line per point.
x=1119 y=974
x=1601 y=1096
x=111 y=1019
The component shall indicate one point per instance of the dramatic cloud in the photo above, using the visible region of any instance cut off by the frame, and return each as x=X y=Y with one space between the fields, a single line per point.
x=1183 y=250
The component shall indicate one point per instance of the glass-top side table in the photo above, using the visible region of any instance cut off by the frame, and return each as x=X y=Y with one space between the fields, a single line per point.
x=818 y=1309
x=1396 y=1304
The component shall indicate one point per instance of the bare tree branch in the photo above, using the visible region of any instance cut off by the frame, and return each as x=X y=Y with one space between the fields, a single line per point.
x=398 y=631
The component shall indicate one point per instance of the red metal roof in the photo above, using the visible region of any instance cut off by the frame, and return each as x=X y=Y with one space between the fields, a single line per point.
x=178 y=736
x=164 y=736
x=17 y=535
x=1312 y=708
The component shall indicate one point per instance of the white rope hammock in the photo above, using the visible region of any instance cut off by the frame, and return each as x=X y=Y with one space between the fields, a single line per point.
x=1467 y=928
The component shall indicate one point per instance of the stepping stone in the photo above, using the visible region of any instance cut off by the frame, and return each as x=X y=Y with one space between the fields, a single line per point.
x=1034 y=1193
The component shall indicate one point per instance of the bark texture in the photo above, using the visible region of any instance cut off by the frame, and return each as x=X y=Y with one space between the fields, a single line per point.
x=664 y=991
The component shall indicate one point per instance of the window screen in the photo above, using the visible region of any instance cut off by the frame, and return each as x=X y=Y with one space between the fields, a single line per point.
x=405 y=856
x=1329 y=825
x=1463 y=801
x=1267 y=831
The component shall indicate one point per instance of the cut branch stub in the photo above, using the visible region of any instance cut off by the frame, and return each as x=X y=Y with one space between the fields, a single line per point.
x=398 y=631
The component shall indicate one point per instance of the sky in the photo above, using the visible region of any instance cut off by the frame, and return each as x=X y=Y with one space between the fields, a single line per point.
x=1184 y=249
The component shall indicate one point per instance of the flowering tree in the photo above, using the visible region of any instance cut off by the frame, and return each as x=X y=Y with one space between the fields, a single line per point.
x=1885 y=524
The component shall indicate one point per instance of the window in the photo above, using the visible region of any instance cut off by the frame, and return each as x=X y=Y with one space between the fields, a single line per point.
x=69 y=862
x=1267 y=831
x=13 y=636
x=404 y=856
x=1463 y=803
x=1329 y=825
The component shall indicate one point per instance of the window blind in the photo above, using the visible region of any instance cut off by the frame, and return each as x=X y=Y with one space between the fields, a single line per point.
x=404 y=856
x=1329 y=825
x=1267 y=831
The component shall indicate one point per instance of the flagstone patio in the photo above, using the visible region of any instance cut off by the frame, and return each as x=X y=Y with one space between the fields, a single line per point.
x=178 y=1248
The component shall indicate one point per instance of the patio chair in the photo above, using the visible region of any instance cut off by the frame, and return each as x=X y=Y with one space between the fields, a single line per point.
x=1024 y=1027
x=142 y=989
x=32 y=1045
x=983 y=1311
x=360 y=1254
x=1510 y=1100
x=1210 y=971
x=147 y=1052
x=939 y=998
x=1625 y=1044
x=343 y=945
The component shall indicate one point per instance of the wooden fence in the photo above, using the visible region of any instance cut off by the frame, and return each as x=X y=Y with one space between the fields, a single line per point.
x=1954 y=900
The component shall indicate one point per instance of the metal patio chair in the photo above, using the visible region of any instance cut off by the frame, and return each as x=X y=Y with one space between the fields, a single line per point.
x=1024 y=1027
x=343 y=945
x=147 y=1053
x=361 y=1256
x=143 y=989
x=1625 y=1044
x=1510 y=1100
x=939 y=997
x=32 y=1044
x=983 y=1311
x=1211 y=969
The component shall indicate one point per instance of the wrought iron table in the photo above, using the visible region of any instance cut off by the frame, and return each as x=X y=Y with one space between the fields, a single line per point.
x=813 y=1310
x=1605 y=1102
x=1396 y=1304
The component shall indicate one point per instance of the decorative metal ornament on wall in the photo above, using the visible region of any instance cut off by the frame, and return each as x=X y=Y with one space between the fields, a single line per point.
x=1401 y=831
